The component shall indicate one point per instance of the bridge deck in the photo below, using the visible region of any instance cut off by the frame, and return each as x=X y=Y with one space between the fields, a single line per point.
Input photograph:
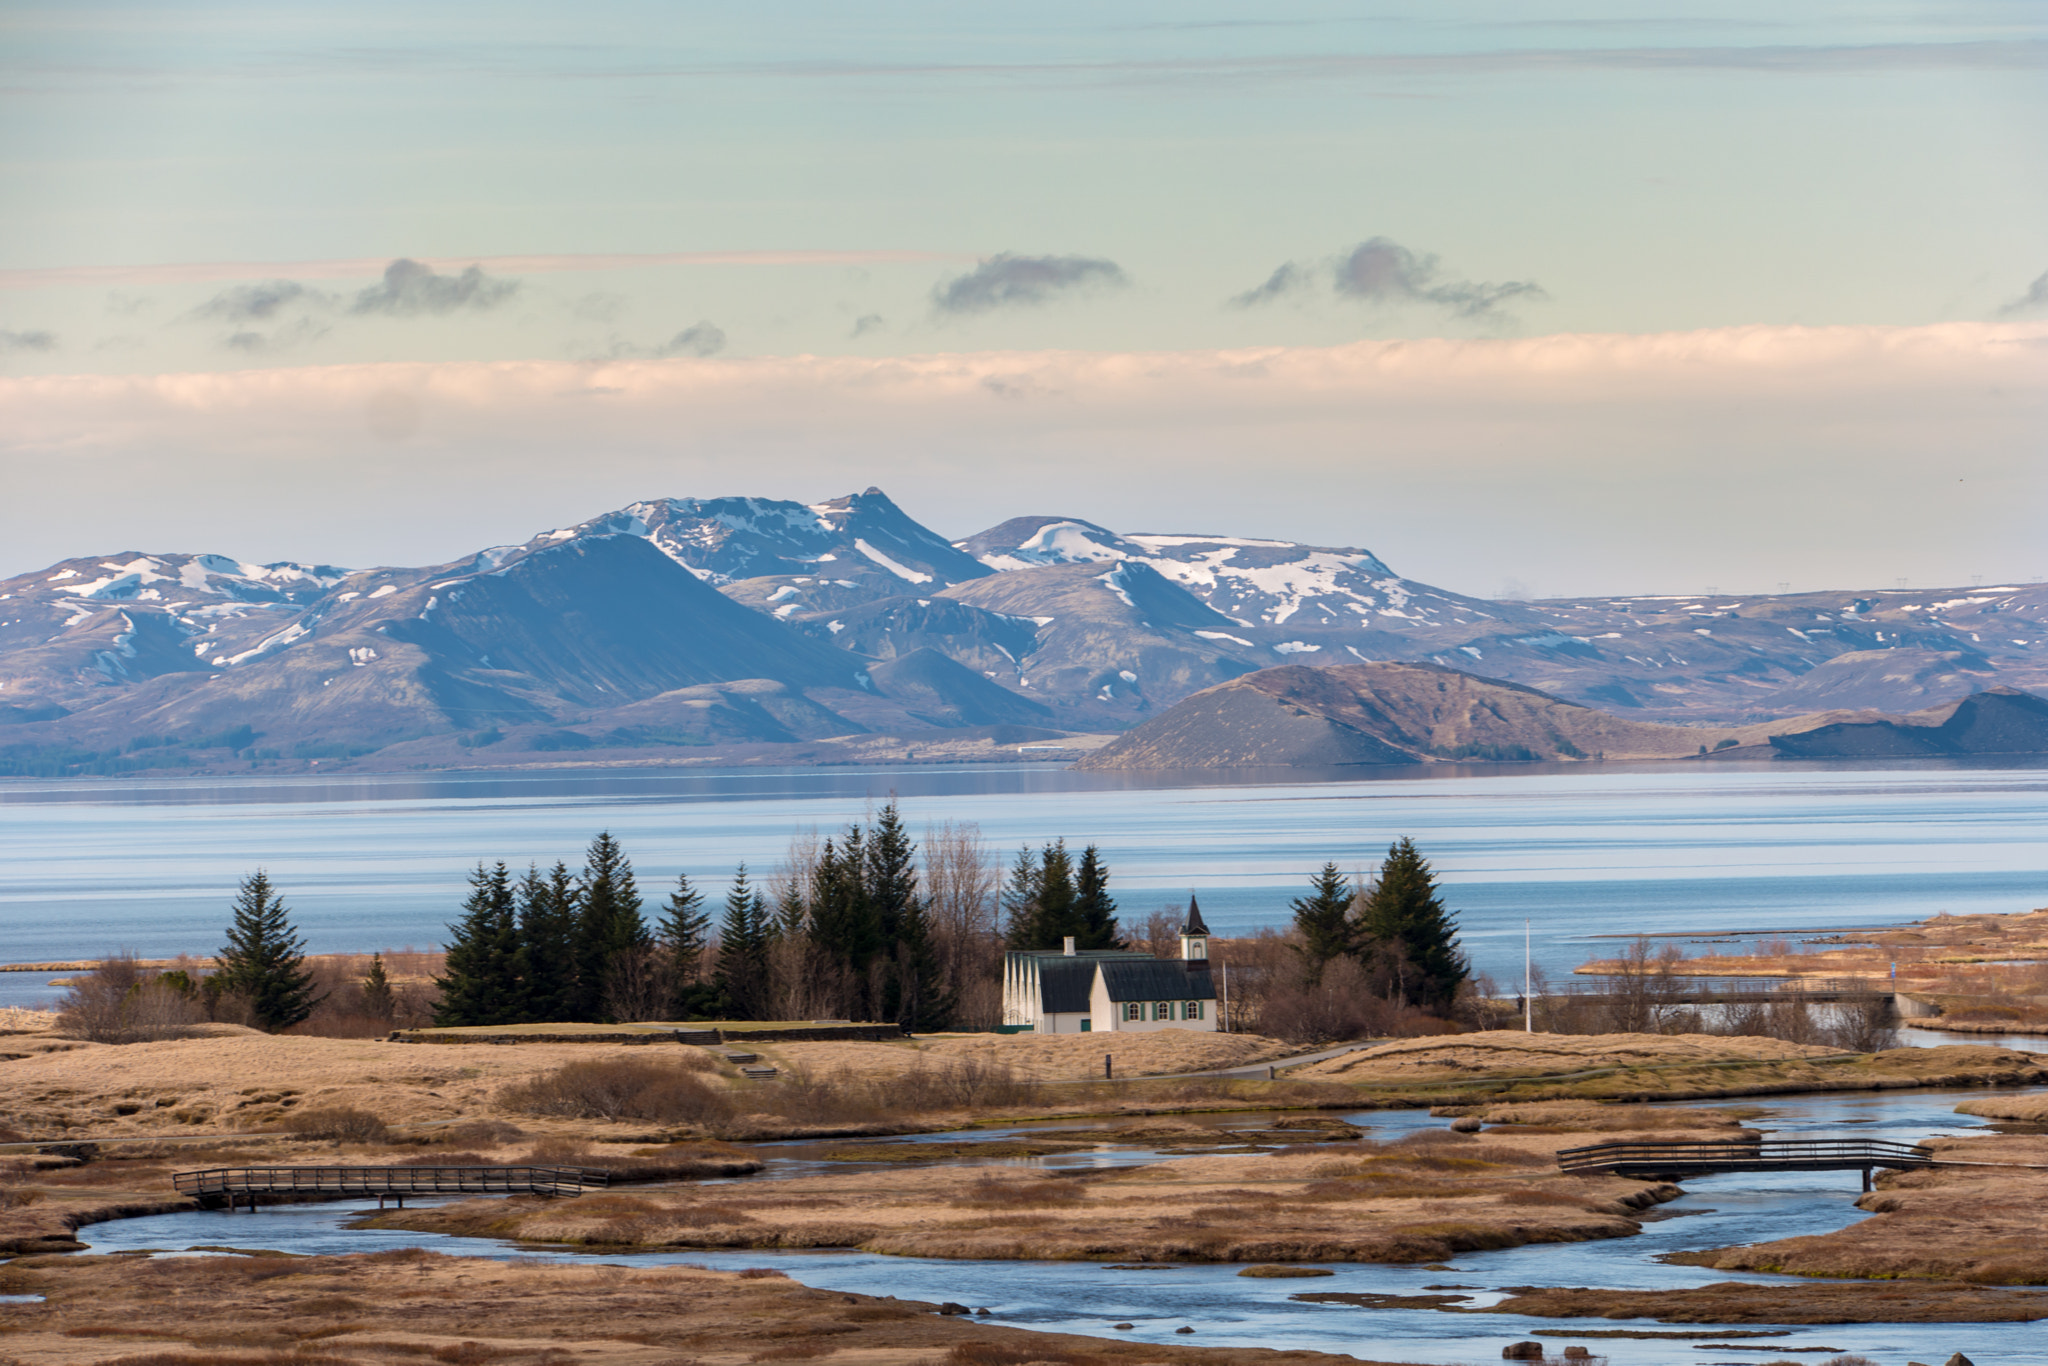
x=1624 y=1157
x=237 y=1183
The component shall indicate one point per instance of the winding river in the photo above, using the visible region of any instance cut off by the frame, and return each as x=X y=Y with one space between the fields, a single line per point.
x=1226 y=1310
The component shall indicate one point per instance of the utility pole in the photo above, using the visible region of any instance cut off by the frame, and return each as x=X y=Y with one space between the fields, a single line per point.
x=1226 y=998
x=1528 y=1001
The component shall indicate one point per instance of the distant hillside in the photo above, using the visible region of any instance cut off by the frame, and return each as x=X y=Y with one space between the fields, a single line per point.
x=724 y=625
x=1297 y=717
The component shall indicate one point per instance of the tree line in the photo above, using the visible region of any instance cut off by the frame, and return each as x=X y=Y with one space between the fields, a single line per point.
x=863 y=925
x=1394 y=927
x=857 y=926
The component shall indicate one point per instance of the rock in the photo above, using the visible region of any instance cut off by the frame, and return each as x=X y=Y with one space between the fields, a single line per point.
x=1576 y=1353
x=1522 y=1351
x=1959 y=1360
x=1468 y=1124
x=950 y=1307
x=1123 y=1325
x=1183 y=1329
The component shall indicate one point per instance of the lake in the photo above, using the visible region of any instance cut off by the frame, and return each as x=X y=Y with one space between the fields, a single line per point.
x=378 y=860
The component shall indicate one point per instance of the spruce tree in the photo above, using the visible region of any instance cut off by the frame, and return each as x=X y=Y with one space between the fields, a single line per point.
x=922 y=1003
x=843 y=924
x=484 y=985
x=683 y=934
x=264 y=960
x=608 y=923
x=896 y=913
x=1092 y=920
x=1055 y=912
x=1404 y=933
x=743 y=934
x=378 y=999
x=547 y=910
x=1020 y=901
x=1322 y=918
x=890 y=871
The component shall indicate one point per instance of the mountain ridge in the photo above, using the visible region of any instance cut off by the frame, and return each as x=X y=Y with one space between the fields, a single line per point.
x=765 y=621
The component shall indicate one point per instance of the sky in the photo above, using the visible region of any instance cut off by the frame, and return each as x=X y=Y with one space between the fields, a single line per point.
x=1527 y=298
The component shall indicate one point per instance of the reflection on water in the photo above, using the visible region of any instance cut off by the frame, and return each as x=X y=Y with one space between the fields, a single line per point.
x=1226 y=1310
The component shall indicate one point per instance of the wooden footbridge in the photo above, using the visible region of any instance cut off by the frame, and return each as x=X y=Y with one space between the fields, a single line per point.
x=241 y=1185
x=1655 y=1159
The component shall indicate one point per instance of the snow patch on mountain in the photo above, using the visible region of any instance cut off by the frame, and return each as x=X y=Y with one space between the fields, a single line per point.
x=900 y=571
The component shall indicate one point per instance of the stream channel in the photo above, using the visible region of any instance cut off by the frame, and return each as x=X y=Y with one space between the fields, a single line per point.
x=1226 y=1310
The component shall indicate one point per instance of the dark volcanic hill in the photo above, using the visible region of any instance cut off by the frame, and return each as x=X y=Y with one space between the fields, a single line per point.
x=1301 y=717
x=1295 y=717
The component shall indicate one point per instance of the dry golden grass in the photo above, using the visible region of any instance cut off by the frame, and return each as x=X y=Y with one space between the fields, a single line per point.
x=1039 y=1057
x=251 y=1080
x=414 y=1308
x=1982 y=1225
x=1744 y=1302
x=1506 y=1051
x=17 y=1020
x=1420 y=1200
x=1983 y=970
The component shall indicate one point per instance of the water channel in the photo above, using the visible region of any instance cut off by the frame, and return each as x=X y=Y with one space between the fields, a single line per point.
x=1226 y=1310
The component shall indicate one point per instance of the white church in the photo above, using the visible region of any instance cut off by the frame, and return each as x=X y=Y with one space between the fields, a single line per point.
x=1069 y=991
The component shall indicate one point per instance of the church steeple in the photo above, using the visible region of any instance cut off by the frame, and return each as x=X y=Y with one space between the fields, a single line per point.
x=1194 y=935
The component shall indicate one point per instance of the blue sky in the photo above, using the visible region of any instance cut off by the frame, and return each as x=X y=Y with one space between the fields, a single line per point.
x=222 y=189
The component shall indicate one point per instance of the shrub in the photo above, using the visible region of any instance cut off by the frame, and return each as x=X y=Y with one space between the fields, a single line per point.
x=344 y=1124
x=993 y=1192
x=621 y=1088
x=120 y=1001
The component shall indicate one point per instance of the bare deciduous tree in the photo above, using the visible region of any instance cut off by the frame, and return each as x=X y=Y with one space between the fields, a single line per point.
x=120 y=1001
x=639 y=984
x=963 y=878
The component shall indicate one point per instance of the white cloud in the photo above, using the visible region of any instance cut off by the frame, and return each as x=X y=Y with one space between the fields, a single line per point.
x=1842 y=455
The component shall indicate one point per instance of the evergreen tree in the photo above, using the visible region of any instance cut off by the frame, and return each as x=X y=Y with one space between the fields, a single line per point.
x=843 y=925
x=1020 y=901
x=1054 y=915
x=378 y=1001
x=895 y=910
x=1092 y=920
x=547 y=910
x=922 y=1003
x=484 y=983
x=743 y=937
x=1322 y=918
x=684 y=934
x=264 y=960
x=890 y=858
x=1404 y=933
x=608 y=922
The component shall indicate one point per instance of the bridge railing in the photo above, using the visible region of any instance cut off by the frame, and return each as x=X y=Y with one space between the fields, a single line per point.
x=545 y=1180
x=1753 y=1155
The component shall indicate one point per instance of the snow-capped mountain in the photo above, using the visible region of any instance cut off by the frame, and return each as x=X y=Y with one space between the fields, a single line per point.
x=1257 y=584
x=728 y=540
x=710 y=622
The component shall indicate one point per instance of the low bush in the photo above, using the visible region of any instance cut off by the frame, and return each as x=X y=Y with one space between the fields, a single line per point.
x=666 y=1092
x=120 y=1001
x=342 y=1123
x=994 y=1192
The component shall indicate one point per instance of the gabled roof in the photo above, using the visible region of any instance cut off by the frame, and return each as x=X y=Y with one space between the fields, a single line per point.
x=1193 y=924
x=1065 y=984
x=1158 y=979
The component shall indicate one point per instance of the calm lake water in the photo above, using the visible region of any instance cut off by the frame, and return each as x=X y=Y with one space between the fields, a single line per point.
x=378 y=861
